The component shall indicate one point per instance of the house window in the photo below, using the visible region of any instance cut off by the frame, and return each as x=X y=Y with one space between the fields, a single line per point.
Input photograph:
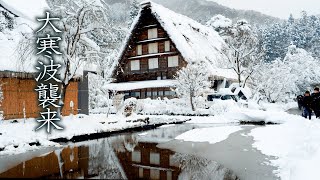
x=139 y=50
x=169 y=175
x=160 y=93
x=154 y=158
x=149 y=93
x=137 y=94
x=154 y=174
x=140 y=172
x=169 y=93
x=173 y=61
x=153 y=63
x=135 y=65
x=164 y=75
x=167 y=46
x=136 y=156
x=153 y=48
x=154 y=93
x=152 y=33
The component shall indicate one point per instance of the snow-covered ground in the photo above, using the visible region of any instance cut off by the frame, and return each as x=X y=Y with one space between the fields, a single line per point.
x=15 y=137
x=211 y=135
x=294 y=142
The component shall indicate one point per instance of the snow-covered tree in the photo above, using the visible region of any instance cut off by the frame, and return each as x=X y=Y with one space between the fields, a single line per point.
x=78 y=24
x=98 y=96
x=269 y=83
x=303 y=32
x=192 y=80
x=220 y=24
x=86 y=33
x=134 y=10
x=7 y=20
x=242 y=51
x=281 y=79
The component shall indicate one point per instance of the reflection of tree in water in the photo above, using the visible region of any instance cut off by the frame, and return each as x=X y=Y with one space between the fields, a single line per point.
x=103 y=162
x=130 y=142
x=124 y=143
x=194 y=168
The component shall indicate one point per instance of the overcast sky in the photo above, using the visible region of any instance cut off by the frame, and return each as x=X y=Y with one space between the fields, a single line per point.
x=277 y=8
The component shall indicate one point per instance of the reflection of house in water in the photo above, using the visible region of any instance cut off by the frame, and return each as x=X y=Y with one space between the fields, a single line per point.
x=129 y=156
x=147 y=161
x=96 y=160
x=71 y=163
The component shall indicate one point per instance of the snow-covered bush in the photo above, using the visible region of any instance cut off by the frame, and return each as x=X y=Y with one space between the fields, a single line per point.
x=220 y=107
x=180 y=107
x=129 y=107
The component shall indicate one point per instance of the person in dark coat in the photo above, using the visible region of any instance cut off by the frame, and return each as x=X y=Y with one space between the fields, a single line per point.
x=316 y=102
x=299 y=101
x=307 y=103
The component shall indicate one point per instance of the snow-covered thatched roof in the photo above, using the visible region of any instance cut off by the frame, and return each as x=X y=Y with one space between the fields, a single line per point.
x=193 y=40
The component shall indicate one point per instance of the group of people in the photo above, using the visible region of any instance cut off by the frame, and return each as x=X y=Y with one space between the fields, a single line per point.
x=310 y=102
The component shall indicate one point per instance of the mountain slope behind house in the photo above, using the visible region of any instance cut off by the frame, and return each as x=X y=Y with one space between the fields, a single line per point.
x=203 y=10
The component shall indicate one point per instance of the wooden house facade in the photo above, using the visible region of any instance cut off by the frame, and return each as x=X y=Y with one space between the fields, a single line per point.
x=20 y=100
x=160 y=43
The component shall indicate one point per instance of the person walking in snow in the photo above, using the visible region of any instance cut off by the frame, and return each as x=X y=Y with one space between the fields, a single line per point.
x=316 y=102
x=299 y=101
x=306 y=103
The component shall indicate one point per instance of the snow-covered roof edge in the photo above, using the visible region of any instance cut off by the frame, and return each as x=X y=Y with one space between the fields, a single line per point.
x=125 y=44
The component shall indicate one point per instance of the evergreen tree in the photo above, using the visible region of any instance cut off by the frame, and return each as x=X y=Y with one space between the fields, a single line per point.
x=303 y=32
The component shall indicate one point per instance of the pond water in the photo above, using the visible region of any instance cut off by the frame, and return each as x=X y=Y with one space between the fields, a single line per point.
x=152 y=154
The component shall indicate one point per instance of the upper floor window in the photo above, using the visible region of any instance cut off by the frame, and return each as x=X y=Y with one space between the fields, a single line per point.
x=154 y=158
x=167 y=46
x=173 y=61
x=152 y=33
x=139 y=50
x=136 y=156
x=135 y=65
x=153 y=48
x=153 y=63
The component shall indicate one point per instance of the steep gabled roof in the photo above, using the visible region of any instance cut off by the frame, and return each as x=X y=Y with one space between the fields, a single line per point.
x=193 y=40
